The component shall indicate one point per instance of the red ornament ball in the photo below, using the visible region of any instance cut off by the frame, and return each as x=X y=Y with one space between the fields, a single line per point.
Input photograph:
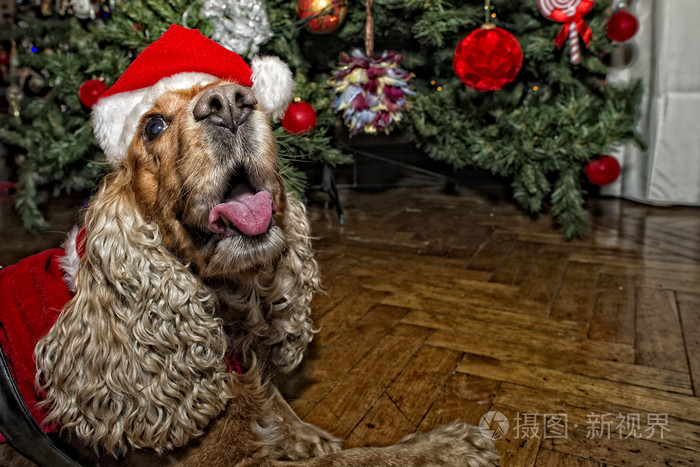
x=622 y=26
x=90 y=91
x=602 y=170
x=488 y=58
x=299 y=118
x=327 y=15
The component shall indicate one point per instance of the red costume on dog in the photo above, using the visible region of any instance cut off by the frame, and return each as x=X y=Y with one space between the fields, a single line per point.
x=33 y=293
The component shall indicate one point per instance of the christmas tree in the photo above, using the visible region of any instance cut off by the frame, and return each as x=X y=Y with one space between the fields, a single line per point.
x=538 y=131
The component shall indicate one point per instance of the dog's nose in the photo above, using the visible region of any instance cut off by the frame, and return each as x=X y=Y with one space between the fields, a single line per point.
x=226 y=106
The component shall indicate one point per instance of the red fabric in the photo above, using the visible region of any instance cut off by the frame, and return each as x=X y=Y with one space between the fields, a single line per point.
x=233 y=362
x=181 y=50
x=32 y=295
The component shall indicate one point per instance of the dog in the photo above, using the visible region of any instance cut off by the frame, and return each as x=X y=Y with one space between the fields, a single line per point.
x=191 y=281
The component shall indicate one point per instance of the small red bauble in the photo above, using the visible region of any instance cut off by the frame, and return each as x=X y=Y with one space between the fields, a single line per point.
x=90 y=91
x=622 y=26
x=488 y=58
x=299 y=118
x=329 y=14
x=603 y=170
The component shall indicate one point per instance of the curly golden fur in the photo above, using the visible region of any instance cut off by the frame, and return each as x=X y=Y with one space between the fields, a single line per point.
x=135 y=367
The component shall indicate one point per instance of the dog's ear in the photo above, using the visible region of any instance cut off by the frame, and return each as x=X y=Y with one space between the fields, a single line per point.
x=299 y=265
x=136 y=359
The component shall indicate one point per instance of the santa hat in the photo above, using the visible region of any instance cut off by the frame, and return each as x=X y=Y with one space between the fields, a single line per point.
x=180 y=59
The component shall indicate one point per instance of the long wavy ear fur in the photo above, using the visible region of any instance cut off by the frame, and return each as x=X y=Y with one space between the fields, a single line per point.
x=298 y=268
x=137 y=357
x=275 y=306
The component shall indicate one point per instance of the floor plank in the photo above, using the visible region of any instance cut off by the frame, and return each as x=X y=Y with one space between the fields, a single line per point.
x=346 y=404
x=622 y=394
x=577 y=292
x=659 y=338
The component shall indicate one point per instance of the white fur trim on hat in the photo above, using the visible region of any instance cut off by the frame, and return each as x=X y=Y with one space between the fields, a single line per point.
x=273 y=85
x=115 y=118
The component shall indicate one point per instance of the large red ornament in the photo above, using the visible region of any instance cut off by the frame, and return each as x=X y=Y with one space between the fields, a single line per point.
x=603 y=170
x=90 y=91
x=329 y=14
x=488 y=58
x=299 y=118
x=571 y=13
x=622 y=26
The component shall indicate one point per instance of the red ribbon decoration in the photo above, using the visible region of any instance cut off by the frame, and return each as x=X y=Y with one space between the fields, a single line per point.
x=584 y=30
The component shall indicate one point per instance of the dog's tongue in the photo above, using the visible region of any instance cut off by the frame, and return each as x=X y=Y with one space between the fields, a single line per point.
x=250 y=213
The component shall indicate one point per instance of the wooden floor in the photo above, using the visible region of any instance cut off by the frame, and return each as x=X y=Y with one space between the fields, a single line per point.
x=443 y=307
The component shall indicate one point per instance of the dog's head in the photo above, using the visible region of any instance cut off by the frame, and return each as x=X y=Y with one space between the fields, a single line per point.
x=188 y=122
x=204 y=168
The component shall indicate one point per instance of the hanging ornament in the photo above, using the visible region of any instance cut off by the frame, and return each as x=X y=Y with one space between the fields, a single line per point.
x=323 y=16
x=14 y=96
x=90 y=91
x=46 y=8
x=36 y=83
x=82 y=9
x=370 y=91
x=488 y=58
x=602 y=170
x=299 y=118
x=240 y=26
x=571 y=13
x=622 y=26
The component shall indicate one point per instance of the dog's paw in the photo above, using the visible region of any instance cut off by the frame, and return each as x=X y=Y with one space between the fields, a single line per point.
x=454 y=444
x=307 y=441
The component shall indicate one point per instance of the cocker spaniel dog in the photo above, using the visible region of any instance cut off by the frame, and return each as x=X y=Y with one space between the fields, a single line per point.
x=192 y=276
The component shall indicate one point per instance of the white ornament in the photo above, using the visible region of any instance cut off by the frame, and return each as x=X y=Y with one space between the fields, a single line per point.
x=82 y=9
x=240 y=26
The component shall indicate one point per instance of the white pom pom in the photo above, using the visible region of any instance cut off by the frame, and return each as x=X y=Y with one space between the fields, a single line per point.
x=273 y=85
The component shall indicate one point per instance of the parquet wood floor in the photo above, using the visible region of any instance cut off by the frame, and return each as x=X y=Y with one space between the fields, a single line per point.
x=442 y=307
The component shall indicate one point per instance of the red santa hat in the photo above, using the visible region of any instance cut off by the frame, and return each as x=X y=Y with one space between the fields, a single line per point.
x=180 y=59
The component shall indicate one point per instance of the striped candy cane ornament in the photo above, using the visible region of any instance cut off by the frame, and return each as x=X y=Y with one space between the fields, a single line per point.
x=571 y=13
x=573 y=44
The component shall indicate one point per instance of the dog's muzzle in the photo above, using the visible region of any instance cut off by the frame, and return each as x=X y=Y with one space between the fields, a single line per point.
x=244 y=209
x=226 y=106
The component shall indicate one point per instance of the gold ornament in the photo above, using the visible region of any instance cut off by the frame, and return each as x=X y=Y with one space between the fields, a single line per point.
x=323 y=16
x=14 y=96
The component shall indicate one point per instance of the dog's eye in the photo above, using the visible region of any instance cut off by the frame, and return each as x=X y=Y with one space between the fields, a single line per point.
x=154 y=128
